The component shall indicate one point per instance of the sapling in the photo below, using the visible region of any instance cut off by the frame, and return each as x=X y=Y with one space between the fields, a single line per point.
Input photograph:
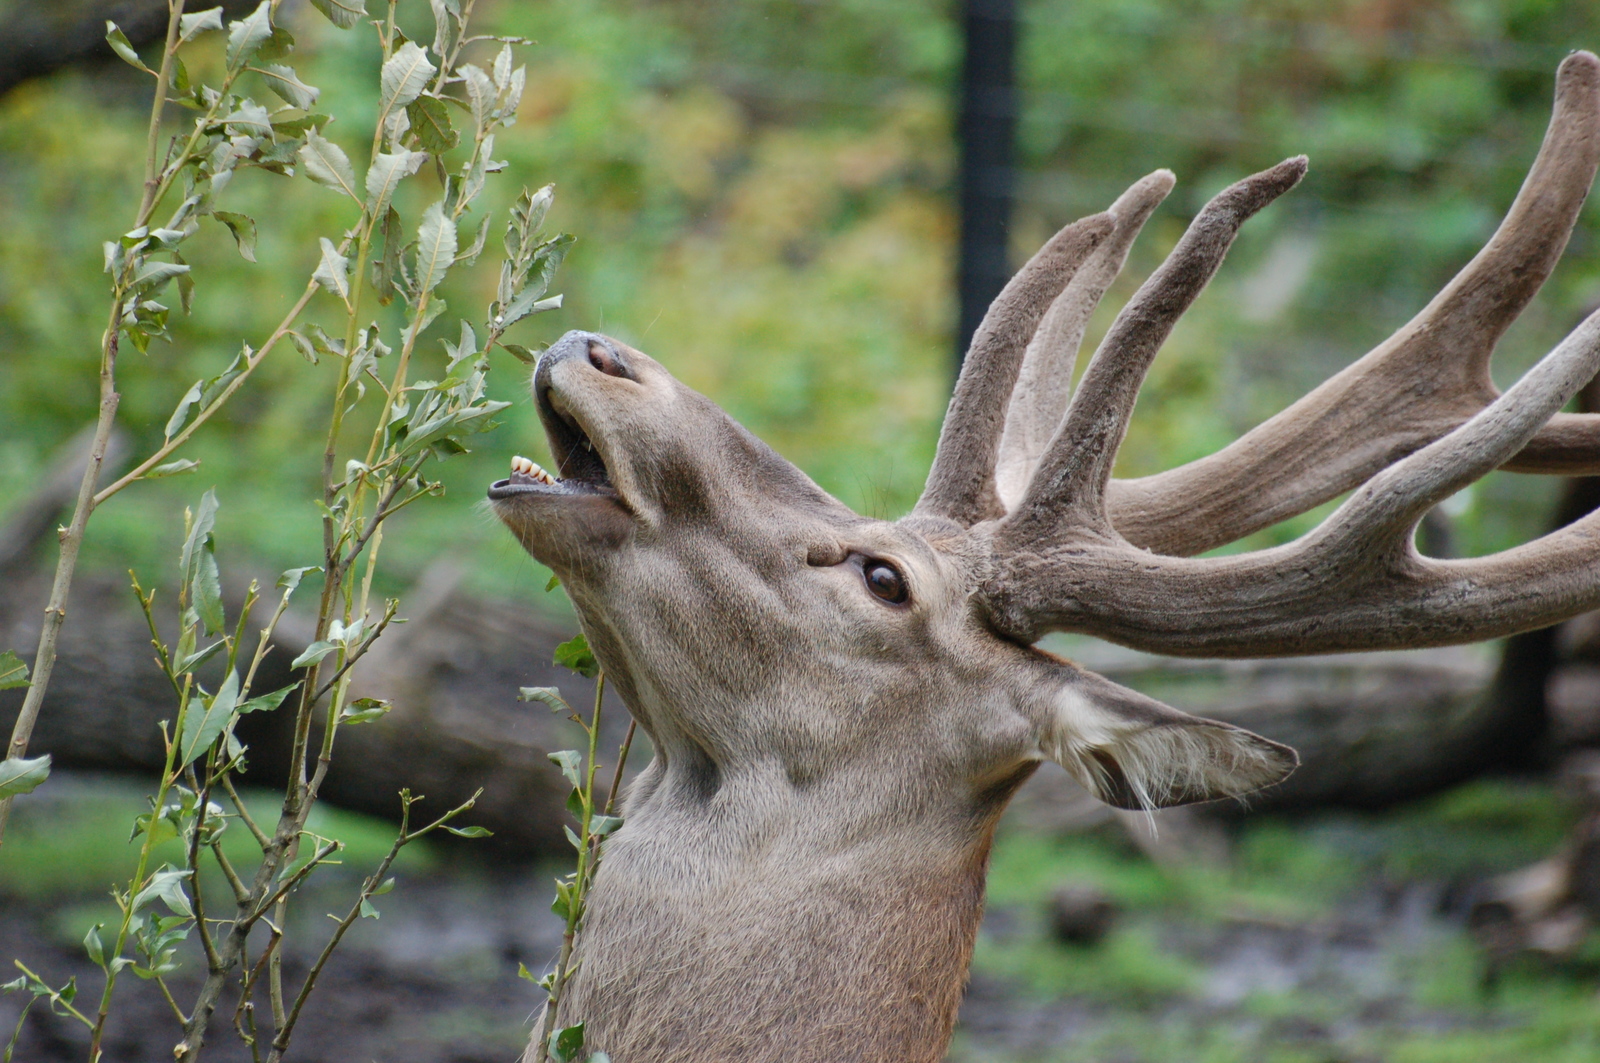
x=423 y=91
x=565 y=1043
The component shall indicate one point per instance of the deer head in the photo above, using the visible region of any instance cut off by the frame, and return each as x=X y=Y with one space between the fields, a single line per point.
x=841 y=706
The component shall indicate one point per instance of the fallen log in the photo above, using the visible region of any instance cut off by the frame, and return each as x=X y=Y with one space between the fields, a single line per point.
x=453 y=675
x=1372 y=729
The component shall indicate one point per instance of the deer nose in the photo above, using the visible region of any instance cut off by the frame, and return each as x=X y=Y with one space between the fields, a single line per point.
x=601 y=352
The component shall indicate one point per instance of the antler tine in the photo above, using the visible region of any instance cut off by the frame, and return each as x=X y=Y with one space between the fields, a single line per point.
x=1044 y=385
x=1354 y=583
x=1375 y=411
x=960 y=484
x=1071 y=479
x=1388 y=506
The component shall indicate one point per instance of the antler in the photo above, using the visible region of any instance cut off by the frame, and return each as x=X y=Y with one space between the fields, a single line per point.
x=1423 y=381
x=961 y=484
x=1044 y=386
x=1070 y=555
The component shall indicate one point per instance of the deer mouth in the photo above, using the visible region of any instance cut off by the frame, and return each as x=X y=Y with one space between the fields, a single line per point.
x=582 y=468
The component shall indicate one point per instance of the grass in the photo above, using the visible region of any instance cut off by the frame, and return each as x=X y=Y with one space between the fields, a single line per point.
x=71 y=844
x=1157 y=990
x=1303 y=950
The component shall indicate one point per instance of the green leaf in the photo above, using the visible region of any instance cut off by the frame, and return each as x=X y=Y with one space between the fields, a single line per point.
x=287 y=84
x=199 y=534
x=313 y=653
x=249 y=118
x=567 y=1044
x=383 y=887
x=523 y=972
x=601 y=826
x=20 y=775
x=292 y=577
x=153 y=276
x=166 y=886
x=474 y=249
x=333 y=272
x=551 y=696
x=199 y=566
x=191 y=26
x=470 y=832
x=327 y=164
x=368 y=909
x=436 y=247
x=304 y=346
x=575 y=654
x=552 y=583
x=246 y=36
x=386 y=267
x=204 y=719
x=404 y=77
x=365 y=710
x=93 y=946
x=243 y=228
x=297 y=125
x=119 y=44
x=13 y=671
x=430 y=121
x=180 y=416
x=342 y=13
x=570 y=763
x=268 y=702
x=206 y=593
x=481 y=93
x=278 y=45
x=171 y=468
x=526 y=302
x=194 y=660
x=385 y=175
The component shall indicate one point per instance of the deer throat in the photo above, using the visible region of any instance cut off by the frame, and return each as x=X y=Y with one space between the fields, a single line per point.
x=691 y=955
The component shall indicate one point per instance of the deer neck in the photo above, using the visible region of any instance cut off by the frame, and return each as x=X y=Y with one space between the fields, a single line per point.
x=716 y=910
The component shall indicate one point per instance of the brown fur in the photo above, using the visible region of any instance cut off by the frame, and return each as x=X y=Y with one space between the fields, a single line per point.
x=800 y=875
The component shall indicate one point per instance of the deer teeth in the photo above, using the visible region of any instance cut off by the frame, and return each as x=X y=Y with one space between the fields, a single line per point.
x=524 y=469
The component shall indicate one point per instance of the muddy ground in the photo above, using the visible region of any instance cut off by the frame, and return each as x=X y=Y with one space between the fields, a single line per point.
x=434 y=979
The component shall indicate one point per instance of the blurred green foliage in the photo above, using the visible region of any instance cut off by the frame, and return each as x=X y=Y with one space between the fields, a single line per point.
x=1311 y=947
x=761 y=193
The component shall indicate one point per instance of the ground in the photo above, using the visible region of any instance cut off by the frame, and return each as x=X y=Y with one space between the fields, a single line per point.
x=1338 y=937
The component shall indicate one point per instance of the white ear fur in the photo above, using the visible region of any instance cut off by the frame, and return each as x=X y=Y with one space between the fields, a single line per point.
x=1133 y=752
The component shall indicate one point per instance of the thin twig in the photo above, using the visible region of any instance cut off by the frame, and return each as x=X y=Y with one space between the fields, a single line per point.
x=291 y=882
x=361 y=651
x=404 y=837
x=244 y=813
x=622 y=762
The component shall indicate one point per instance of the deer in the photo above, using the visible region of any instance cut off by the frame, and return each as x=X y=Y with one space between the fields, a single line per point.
x=841 y=707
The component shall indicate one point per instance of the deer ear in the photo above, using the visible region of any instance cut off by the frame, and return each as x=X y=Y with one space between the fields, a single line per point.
x=1133 y=752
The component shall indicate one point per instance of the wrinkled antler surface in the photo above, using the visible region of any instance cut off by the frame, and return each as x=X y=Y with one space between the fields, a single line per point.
x=1423 y=381
x=1077 y=552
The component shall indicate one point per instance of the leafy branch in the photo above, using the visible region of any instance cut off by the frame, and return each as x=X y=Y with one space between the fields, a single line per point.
x=212 y=665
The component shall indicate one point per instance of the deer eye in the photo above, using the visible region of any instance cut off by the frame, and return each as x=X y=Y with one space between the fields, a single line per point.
x=885 y=582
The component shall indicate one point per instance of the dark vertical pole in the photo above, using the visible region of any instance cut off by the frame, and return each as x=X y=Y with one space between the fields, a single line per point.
x=985 y=136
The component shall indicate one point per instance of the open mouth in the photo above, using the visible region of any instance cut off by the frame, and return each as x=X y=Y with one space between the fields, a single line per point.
x=582 y=469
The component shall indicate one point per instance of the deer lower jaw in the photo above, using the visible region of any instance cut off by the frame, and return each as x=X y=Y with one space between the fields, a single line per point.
x=529 y=478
